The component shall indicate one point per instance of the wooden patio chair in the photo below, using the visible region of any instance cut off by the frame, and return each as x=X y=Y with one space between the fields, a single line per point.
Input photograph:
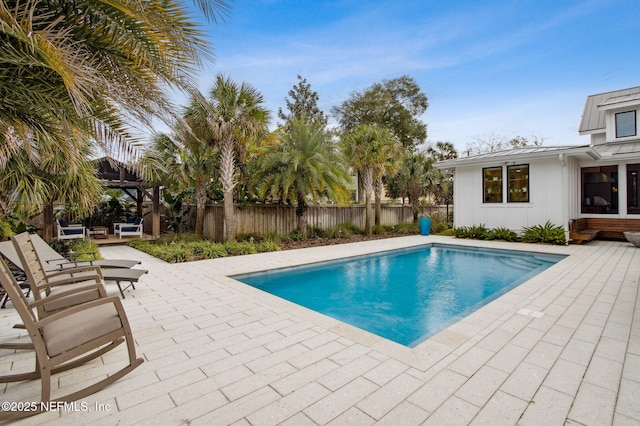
x=118 y=270
x=54 y=260
x=45 y=284
x=66 y=340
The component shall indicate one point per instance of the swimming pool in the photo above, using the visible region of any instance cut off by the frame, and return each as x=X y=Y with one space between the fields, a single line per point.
x=404 y=295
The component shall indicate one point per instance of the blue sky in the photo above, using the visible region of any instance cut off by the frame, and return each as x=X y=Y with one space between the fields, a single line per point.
x=490 y=68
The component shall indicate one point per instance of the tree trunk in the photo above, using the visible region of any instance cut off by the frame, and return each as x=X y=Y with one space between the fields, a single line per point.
x=367 y=183
x=47 y=226
x=155 y=212
x=201 y=199
x=301 y=215
x=378 y=198
x=226 y=178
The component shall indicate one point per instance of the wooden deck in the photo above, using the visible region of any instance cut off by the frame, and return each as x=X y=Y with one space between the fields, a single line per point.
x=114 y=240
x=587 y=229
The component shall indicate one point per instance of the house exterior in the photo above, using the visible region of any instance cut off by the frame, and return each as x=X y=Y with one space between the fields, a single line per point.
x=529 y=186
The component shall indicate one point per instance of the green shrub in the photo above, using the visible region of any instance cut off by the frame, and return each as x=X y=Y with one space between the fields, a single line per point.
x=478 y=232
x=251 y=237
x=547 y=233
x=448 y=232
x=267 y=246
x=237 y=248
x=6 y=230
x=406 y=228
x=345 y=230
x=439 y=223
x=295 y=235
x=175 y=253
x=379 y=230
x=206 y=250
x=315 y=232
x=501 y=233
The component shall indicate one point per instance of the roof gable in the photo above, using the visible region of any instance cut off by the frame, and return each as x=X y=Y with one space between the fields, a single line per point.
x=593 y=117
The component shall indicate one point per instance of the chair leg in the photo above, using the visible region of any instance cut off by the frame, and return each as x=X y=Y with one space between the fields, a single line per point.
x=123 y=289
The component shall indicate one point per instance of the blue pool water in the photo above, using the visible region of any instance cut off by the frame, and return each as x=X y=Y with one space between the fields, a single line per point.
x=404 y=295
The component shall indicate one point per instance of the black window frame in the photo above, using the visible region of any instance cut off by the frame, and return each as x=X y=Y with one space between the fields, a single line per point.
x=633 y=188
x=599 y=193
x=500 y=193
x=515 y=190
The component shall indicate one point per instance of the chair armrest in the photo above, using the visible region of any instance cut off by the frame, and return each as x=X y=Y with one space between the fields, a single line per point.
x=79 y=308
x=72 y=280
x=97 y=286
x=76 y=270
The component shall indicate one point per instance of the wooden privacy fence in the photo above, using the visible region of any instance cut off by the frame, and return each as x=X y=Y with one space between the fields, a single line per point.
x=263 y=219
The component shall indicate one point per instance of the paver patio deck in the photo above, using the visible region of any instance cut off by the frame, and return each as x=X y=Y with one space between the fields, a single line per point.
x=219 y=352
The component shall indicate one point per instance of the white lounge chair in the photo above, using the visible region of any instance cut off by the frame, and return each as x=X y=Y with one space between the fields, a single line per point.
x=129 y=229
x=70 y=232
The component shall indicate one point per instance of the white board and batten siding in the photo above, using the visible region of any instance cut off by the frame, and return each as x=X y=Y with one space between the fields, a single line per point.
x=547 y=200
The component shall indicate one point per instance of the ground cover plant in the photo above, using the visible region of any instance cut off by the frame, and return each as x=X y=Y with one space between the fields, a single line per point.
x=77 y=250
x=174 y=248
x=546 y=234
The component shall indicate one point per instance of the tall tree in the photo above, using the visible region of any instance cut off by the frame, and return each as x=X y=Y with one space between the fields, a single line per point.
x=188 y=161
x=231 y=118
x=305 y=166
x=303 y=105
x=414 y=180
x=64 y=174
x=395 y=104
x=494 y=142
x=368 y=148
x=442 y=151
x=92 y=67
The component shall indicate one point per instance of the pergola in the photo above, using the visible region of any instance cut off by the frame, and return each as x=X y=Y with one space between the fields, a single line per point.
x=115 y=174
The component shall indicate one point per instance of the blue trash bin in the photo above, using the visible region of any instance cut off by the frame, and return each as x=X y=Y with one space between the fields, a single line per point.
x=425 y=225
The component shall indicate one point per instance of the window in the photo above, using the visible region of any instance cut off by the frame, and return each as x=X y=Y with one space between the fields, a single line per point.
x=633 y=189
x=600 y=190
x=625 y=124
x=518 y=184
x=492 y=184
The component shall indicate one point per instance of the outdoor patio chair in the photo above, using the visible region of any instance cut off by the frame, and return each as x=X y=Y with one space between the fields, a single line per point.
x=112 y=270
x=86 y=283
x=70 y=232
x=20 y=278
x=67 y=340
x=129 y=229
x=55 y=261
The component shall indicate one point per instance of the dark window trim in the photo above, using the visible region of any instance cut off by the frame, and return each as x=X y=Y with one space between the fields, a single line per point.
x=484 y=186
x=509 y=183
x=599 y=189
x=633 y=199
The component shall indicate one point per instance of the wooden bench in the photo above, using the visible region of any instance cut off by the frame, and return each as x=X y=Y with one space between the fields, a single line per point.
x=586 y=229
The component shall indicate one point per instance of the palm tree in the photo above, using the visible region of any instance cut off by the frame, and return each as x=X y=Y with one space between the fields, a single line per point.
x=368 y=148
x=391 y=146
x=64 y=174
x=442 y=151
x=415 y=179
x=304 y=166
x=187 y=162
x=229 y=121
x=91 y=67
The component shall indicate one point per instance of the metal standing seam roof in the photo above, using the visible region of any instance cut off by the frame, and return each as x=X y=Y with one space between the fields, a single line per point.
x=513 y=154
x=593 y=118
